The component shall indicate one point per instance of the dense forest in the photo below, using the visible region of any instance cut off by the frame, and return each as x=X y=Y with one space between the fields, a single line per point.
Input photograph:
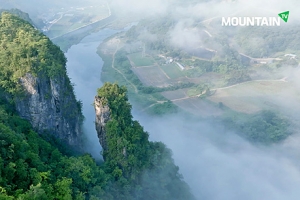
x=23 y=50
x=265 y=127
x=34 y=166
x=137 y=165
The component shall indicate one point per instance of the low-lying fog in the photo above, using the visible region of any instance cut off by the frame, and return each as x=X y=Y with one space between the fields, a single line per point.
x=218 y=164
x=221 y=165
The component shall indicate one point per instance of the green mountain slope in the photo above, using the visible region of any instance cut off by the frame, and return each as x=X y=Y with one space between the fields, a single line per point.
x=34 y=166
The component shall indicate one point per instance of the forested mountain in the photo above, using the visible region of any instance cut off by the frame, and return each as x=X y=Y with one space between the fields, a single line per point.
x=42 y=166
x=33 y=76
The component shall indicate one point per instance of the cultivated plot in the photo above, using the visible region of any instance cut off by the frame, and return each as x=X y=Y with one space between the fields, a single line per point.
x=199 y=107
x=176 y=94
x=151 y=76
x=251 y=97
x=172 y=70
x=139 y=60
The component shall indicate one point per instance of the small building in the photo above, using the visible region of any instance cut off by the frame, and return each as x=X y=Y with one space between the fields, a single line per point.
x=179 y=65
x=169 y=60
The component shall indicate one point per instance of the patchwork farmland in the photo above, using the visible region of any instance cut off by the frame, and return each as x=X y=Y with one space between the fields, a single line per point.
x=151 y=76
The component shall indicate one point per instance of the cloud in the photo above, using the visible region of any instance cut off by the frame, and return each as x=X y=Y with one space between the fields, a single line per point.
x=184 y=35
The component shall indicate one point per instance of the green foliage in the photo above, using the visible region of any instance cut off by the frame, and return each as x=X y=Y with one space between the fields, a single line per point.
x=35 y=167
x=25 y=50
x=237 y=76
x=19 y=13
x=151 y=89
x=161 y=109
x=32 y=168
x=197 y=90
x=265 y=127
x=131 y=159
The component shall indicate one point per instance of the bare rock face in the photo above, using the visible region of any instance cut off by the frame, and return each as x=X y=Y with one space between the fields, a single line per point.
x=102 y=117
x=50 y=105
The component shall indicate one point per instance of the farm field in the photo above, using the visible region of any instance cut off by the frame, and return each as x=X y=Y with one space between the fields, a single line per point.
x=251 y=97
x=172 y=70
x=137 y=60
x=176 y=94
x=151 y=76
x=248 y=97
x=199 y=106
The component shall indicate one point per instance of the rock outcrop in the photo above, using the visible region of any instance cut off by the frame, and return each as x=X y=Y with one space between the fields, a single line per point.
x=102 y=117
x=50 y=106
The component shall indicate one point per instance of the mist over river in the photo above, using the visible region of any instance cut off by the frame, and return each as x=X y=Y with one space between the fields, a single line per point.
x=84 y=69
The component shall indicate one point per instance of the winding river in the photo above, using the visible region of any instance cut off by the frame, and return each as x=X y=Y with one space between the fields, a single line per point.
x=84 y=69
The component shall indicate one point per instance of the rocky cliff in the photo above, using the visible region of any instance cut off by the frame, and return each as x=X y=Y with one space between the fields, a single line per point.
x=33 y=75
x=102 y=117
x=50 y=105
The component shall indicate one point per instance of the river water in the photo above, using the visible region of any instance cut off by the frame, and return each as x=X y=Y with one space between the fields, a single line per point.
x=84 y=69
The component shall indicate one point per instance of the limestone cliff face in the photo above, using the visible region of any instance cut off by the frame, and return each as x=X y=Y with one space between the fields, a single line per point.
x=102 y=117
x=50 y=105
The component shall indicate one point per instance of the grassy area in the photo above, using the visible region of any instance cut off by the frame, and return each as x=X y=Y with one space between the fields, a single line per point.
x=139 y=60
x=172 y=70
x=197 y=90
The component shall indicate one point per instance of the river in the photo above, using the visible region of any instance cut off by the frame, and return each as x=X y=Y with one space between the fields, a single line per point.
x=84 y=69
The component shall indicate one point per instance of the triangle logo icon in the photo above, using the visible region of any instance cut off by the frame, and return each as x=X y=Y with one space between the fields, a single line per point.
x=284 y=15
